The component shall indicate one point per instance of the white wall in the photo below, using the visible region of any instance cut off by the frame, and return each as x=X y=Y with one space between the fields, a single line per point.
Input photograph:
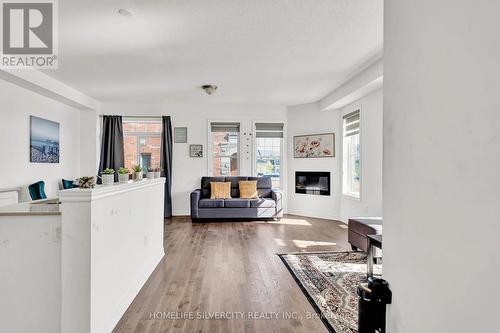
x=90 y=141
x=187 y=171
x=31 y=274
x=308 y=119
x=441 y=162
x=370 y=203
x=15 y=169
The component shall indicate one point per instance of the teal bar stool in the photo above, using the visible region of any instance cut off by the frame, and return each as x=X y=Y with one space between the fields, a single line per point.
x=37 y=190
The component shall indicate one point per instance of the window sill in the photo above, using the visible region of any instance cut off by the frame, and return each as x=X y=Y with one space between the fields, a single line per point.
x=351 y=197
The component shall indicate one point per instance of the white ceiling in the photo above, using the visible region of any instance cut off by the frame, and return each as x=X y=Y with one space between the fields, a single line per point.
x=256 y=51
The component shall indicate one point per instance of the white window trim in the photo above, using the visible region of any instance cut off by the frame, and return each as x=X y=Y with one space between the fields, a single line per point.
x=210 y=144
x=283 y=147
x=350 y=195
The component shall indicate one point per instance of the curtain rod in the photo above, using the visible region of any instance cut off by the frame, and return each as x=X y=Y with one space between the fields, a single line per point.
x=127 y=116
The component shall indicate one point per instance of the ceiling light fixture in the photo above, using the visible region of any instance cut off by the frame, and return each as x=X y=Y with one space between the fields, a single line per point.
x=209 y=88
x=125 y=12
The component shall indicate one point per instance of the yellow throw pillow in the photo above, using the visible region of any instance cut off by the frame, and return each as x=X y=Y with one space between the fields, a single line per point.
x=248 y=189
x=220 y=190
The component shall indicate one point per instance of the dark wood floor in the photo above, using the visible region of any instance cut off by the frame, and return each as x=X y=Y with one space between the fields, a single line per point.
x=214 y=268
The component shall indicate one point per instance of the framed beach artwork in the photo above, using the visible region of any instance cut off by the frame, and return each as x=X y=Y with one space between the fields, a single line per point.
x=314 y=145
x=44 y=140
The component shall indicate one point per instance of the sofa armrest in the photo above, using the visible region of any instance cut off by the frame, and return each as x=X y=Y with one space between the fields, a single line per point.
x=195 y=198
x=277 y=196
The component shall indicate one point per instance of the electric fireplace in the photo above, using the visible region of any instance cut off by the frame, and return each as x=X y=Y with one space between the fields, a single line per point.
x=310 y=182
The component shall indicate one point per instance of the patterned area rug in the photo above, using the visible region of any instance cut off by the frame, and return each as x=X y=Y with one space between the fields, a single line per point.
x=329 y=281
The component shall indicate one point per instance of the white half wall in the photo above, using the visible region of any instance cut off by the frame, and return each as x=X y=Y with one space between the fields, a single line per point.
x=187 y=171
x=370 y=202
x=309 y=119
x=441 y=162
x=112 y=240
x=17 y=105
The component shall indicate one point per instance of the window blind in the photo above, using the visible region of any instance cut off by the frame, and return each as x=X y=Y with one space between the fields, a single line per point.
x=351 y=123
x=225 y=127
x=269 y=130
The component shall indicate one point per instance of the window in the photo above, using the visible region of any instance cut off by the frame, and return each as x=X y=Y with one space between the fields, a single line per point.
x=225 y=142
x=351 y=155
x=141 y=142
x=145 y=160
x=268 y=146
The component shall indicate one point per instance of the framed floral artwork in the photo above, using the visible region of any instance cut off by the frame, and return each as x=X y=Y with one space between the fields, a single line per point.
x=314 y=145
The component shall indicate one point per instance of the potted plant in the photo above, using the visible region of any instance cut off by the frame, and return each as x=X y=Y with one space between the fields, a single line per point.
x=150 y=174
x=157 y=172
x=137 y=172
x=123 y=175
x=108 y=176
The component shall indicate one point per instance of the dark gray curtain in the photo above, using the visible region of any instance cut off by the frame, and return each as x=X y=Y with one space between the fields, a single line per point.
x=166 y=162
x=112 y=144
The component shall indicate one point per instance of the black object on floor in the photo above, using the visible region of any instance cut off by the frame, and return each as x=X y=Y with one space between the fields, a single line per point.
x=373 y=298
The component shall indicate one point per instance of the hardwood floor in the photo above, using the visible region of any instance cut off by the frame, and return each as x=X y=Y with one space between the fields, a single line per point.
x=231 y=269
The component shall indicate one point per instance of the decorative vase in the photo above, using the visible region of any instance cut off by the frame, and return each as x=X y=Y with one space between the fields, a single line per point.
x=157 y=174
x=137 y=176
x=86 y=182
x=123 y=178
x=108 y=179
x=150 y=175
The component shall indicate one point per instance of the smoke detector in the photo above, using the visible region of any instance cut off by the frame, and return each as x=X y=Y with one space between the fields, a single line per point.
x=209 y=88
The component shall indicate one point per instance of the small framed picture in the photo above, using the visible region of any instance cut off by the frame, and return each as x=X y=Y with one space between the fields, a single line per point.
x=195 y=150
x=180 y=134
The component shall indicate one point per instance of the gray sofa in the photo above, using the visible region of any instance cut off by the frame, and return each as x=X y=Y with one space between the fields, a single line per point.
x=268 y=205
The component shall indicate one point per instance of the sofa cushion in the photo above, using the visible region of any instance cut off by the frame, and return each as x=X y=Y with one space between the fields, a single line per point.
x=211 y=203
x=220 y=190
x=205 y=185
x=237 y=203
x=262 y=203
x=235 y=190
x=248 y=189
x=264 y=186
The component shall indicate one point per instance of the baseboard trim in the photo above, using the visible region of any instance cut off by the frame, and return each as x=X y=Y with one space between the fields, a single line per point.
x=296 y=213
x=306 y=214
x=181 y=213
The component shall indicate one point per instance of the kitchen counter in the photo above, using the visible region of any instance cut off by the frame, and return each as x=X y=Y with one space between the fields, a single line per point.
x=38 y=207
x=10 y=189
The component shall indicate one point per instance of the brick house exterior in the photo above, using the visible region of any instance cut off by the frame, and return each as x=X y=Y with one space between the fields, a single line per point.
x=142 y=140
